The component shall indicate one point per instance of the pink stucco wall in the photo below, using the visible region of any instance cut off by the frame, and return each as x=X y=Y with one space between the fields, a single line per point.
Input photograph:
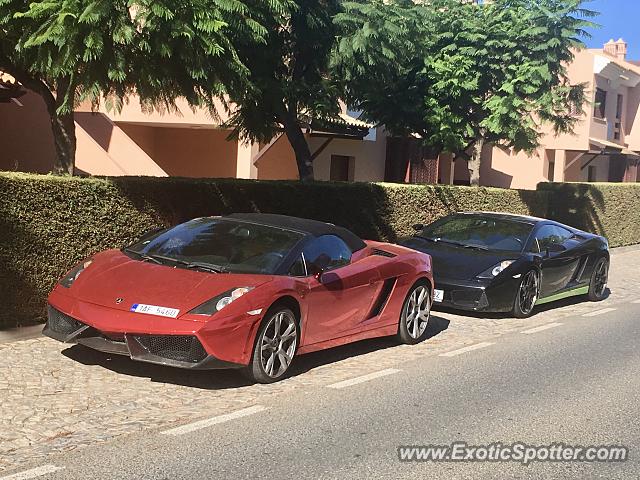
x=25 y=136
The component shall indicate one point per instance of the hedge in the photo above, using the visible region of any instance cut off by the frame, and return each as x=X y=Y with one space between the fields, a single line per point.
x=609 y=209
x=49 y=223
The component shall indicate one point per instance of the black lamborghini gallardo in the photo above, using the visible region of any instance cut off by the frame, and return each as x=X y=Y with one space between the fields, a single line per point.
x=510 y=263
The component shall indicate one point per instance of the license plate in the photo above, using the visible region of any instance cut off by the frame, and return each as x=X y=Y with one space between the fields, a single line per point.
x=155 y=310
x=438 y=295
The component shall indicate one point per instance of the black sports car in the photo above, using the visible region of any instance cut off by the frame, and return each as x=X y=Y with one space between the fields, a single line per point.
x=510 y=263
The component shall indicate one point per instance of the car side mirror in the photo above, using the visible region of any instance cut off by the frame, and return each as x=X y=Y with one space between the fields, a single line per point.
x=418 y=227
x=315 y=270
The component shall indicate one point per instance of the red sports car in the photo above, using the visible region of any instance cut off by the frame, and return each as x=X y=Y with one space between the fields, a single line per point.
x=243 y=291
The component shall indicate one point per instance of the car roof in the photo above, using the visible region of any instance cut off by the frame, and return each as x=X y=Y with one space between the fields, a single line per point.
x=509 y=216
x=303 y=225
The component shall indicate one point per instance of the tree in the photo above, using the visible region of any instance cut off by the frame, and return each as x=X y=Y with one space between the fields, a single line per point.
x=461 y=75
x=71 y=51
x=289 y=80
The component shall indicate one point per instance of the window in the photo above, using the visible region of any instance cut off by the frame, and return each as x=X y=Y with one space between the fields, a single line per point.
x=235 y=246
x=327 y=252
x=477 y=230
x=341 y=168
x=548 y=235
x=298 y=269
x=618 y=125
x=601 y=104
x=619 y=107
x=591 y=173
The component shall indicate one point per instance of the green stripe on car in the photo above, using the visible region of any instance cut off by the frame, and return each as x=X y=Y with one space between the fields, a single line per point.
x=569 y=293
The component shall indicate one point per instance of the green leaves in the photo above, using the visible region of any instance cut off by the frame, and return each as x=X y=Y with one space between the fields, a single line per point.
x=453 y=71
x=90 y=50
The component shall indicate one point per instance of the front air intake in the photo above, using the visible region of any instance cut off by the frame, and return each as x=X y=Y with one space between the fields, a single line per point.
x=182 y=348
x=62 y=323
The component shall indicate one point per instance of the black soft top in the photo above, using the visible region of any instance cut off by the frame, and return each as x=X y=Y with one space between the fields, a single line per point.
x=302 y=225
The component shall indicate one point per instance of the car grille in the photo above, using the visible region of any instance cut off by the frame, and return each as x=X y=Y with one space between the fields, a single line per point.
x=183 y=348
x=469 y=298
x=62 y=323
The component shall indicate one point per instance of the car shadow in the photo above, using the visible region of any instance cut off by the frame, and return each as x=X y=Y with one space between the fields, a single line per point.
x=229 y=379
x=313 y=360
x=540 y=309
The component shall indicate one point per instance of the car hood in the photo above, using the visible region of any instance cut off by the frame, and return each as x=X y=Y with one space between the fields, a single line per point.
x=458 y=263
x=116 y=281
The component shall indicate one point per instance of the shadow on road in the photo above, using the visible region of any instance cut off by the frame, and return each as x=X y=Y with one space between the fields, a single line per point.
x=224 y=379
x=313 y=360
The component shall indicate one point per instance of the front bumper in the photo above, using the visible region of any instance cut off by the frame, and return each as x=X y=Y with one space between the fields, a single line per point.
x=174 y=350
x=477 y=295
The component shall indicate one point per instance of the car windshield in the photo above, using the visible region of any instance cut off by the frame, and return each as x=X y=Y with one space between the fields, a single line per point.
x=219 y=245
x=474 y=231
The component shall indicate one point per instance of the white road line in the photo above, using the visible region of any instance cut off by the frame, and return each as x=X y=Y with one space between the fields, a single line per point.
x=541 y=328
x=192 y=427
x=599 y=312
x=33 y=473
x=363 y=378
x=469 y=348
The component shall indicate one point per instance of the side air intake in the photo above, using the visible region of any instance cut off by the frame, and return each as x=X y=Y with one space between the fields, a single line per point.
x=382 y=253
x=383 y=298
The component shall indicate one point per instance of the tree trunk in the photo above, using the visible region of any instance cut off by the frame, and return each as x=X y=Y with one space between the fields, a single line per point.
x=300 y=146
x=475 y=161
x=64 y=138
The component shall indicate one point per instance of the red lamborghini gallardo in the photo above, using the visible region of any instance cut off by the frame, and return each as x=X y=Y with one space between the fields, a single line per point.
x=243 y=291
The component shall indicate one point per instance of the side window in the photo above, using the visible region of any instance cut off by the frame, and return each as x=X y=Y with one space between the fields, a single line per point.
x=548 y=235
x=298 y=268
x=327 y=252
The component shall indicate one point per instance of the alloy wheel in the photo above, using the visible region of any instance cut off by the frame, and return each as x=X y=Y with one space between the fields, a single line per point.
x=417 y=311
x=528 y=292
x=601 y=278
x=278 y=344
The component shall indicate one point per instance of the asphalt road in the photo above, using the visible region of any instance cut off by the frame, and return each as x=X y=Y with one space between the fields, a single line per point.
x=575 y=383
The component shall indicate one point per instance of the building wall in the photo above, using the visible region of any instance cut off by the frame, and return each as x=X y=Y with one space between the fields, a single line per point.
x=581 y=70
x=26 y=141
x=576 y=174
x=369 y=158
x=278 y=163
x=632 y=123
x=185 y=152
x=506 y=168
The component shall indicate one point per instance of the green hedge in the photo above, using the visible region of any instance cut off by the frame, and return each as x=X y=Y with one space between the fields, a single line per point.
x=609 y=209
x=48 y=223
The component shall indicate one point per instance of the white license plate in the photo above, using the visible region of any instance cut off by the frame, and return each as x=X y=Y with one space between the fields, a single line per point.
x=155 y=310
x=438 y=295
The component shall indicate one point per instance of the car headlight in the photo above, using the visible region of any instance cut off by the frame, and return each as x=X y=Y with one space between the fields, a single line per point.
x=496 y=269
x=218 y=303
x=74 y=273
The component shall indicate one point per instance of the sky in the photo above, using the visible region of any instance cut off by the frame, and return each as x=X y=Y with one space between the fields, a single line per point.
x=619 y=18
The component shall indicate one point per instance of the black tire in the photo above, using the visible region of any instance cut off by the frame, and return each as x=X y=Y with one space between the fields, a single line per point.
x=414 y=331
x=527 y=294
x=277 y=351
x=599 y=279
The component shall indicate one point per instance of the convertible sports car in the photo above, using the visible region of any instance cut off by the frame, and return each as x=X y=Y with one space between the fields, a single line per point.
x=511 y=263
x=243 y=291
